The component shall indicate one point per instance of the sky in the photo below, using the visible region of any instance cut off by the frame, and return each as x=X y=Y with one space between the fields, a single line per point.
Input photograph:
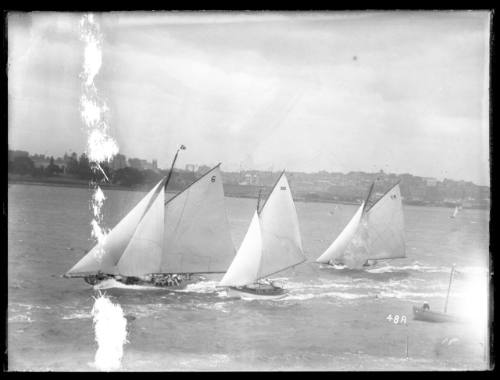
x=403 y=92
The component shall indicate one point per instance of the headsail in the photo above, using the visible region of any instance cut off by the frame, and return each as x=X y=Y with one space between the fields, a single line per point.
x=281 y=241
x=143 y=253
x=339 y=245
x=197 y=238
x=386 y=227
x=245 y=266
x=272 y=242
x=104 y=257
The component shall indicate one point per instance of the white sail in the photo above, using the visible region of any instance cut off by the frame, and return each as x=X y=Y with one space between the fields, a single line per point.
x=197 y=238
x=281 y=241
x=104 y=257
x=455 y=212
x=385 y=226
x=339 y=245
x=245 y=266
x=357 y=251
x=144 y=252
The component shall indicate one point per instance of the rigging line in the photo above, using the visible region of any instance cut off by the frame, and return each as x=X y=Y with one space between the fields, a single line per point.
x=272 y=189
x=392 y=187
x=102 y=171
x=199 y=179
x=281 y=270
x=152 y=200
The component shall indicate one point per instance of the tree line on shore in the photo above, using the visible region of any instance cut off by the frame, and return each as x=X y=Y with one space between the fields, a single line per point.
x=81 y=168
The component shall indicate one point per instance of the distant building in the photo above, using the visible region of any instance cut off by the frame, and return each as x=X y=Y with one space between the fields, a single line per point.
x=190 y=167
x=250 y=179
x=155 y=164
x=118 y=162
x=17 y=153
x=136 y=163
x=41 y=163
x=203 y=169
x=429 y=181
x=147 y=165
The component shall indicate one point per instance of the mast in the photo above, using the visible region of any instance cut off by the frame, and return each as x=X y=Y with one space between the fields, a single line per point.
x=258 y=199
x=449 y=287
x=368 y=196
x=392 y=187
x=182 y=147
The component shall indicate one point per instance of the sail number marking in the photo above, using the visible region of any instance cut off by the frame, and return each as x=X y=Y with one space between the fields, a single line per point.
x=213 y=178
x=396 y=319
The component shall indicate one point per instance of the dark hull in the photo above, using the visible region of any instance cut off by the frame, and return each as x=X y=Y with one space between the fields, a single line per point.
x=257 y=291
x=274 y=291
x=432 y=316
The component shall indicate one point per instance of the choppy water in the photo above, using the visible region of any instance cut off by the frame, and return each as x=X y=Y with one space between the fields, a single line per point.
x=329 y=320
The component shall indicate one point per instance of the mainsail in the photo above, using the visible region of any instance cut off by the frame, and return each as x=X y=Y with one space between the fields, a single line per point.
x=189 y=233
x=272 y=243
x=197 y=237
x=281 y=242
x=386 y=227
x=375 y=233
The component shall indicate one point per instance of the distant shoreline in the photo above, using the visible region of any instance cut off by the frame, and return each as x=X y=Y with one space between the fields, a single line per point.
x=145 y=188
x=76 y=184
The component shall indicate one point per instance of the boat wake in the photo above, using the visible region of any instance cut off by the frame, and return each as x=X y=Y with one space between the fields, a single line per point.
x=417 y=267
x=21 y=318
x=78 y=316
x=199 y=287
x=366 y=288
x=338 y=295
x=112 y=283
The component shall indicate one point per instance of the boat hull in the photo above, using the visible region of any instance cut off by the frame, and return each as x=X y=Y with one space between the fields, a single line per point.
x=432 y=316
x=256 y=293
x=180 y=283
x=340 y=265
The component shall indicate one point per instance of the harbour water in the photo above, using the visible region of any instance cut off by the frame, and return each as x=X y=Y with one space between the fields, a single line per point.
x=331 y=319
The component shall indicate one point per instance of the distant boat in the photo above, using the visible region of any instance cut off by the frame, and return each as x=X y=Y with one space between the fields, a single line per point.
x=374 y=233
x=165 y=243
x=455 y=212
x=424 y=312
x=271 y=245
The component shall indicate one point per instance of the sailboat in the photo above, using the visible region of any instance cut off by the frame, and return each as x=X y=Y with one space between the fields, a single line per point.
x=271 y=245
x=455 y=212
x=424 y=312
x=374 y=233
x=165 y=242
